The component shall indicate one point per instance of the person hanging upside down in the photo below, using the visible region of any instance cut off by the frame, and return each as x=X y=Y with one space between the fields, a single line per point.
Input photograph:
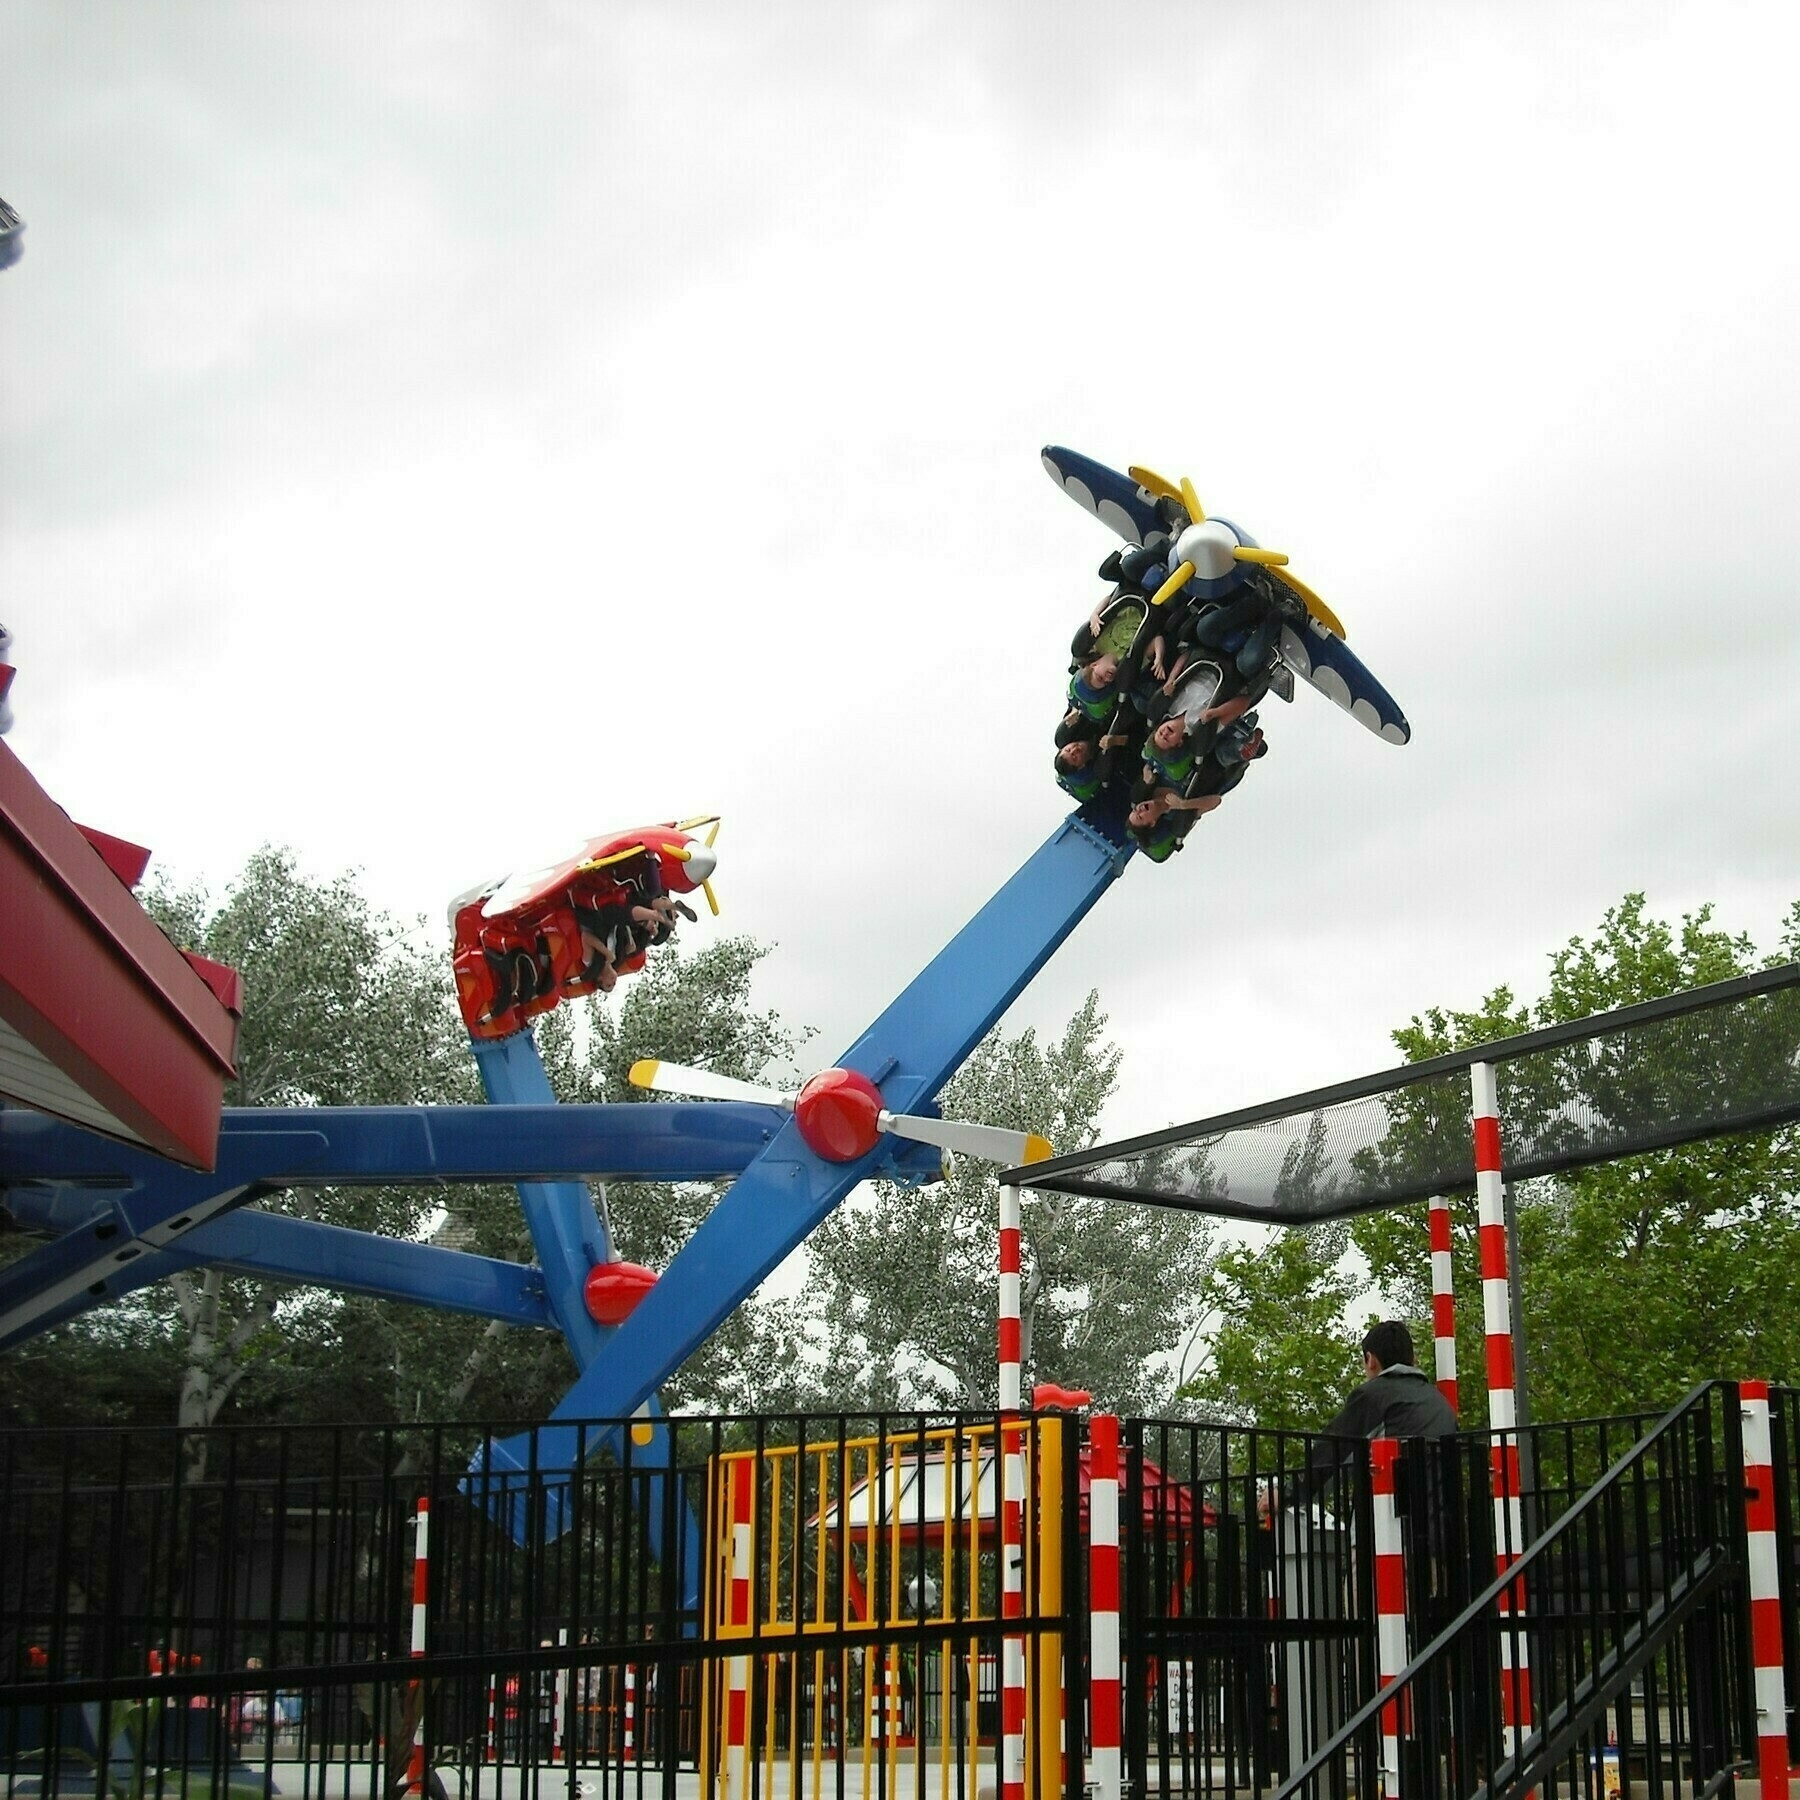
x=1078 y=769
x=1168 y=755
x=1160 y=818
x=1090 y=688
x=610 y=936
x=1160 y=822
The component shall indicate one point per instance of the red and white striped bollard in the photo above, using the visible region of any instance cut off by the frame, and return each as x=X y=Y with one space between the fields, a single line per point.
x=1104 y=1671
x=630 y=1748
x=559 y=1695
x=742 y=1493
x=1443 y=1302
x=415 y=1766
x=1765 y=1592
x=1012 y=1507
x=1390 y=1606
x=1503 y=1412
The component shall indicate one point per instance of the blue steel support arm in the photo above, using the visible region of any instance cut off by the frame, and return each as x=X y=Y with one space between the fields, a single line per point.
x=569 y=1234
x=393 y=1146
x=120 y=1212
x=910 y=1051
x=273 y=1247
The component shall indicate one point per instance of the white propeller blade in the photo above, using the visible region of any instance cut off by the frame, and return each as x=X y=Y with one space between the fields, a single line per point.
x=702 y=1084
x=989 y=1142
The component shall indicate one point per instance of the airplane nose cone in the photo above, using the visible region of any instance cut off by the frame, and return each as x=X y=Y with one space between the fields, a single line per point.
x=700 y=864
x=1208 y=547
x=839 y=1115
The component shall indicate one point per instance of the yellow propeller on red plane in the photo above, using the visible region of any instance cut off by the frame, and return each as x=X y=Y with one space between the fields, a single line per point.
x=685 y=855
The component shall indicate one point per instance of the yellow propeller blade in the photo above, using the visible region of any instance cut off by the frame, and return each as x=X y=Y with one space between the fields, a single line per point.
x=1178 y=577
x=1314 y=604
x=1195 y=512
x=712 y=836
x=680 y=852
x=712 y=899
x=696 y=822
x=1155 y=483
x=1037 y=1149
x=1270 y=559
x=642 y=1073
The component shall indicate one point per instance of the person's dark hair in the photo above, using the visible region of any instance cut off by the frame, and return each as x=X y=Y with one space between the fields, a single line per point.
x=1389 y=1343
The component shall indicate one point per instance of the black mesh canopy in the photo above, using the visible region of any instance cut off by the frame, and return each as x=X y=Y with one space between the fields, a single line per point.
x=1695 y=1065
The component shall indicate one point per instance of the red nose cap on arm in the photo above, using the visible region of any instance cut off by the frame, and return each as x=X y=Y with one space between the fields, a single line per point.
x=613 y=1290
x=839 y=1115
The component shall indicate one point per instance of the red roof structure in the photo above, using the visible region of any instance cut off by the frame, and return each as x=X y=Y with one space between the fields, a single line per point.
x=103 y=1022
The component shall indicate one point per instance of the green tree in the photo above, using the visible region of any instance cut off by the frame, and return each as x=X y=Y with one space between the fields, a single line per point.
x=1277 y=1353
x=904 y=1302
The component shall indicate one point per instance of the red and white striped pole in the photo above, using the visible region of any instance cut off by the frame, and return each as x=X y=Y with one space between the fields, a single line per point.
x=1012 y=1507
x=1443 y=1301
x=1104 y=1673
x=742 y=1484
x=1010 y=1338
x=1503 y=1412
x=415 y=1766
x=559 y=1694
x=1765 y=1593
x=1390 y=1606
x=493 y=1727
x=630 y=1751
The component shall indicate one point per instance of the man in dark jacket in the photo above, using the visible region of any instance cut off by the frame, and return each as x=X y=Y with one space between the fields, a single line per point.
x=1399 y=1400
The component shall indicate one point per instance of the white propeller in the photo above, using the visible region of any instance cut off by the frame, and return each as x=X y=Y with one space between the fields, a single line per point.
x=840 y=1114
x=702 y=1084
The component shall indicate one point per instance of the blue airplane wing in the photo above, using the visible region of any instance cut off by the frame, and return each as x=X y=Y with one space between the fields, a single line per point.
x=1112 y=498
x=1322 y=658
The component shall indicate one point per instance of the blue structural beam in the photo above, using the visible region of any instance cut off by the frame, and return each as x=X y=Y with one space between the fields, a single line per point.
x=910 y=1051
x=569 y=1234
x=275 y=1247
x=386 y=1146
x=121 y=1212
x=97 y=1260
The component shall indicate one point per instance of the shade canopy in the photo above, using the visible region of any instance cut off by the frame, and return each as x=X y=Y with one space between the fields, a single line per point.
x=1698 y=1064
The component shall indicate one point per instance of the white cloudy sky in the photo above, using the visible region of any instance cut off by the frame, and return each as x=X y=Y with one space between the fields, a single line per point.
x=434 y=432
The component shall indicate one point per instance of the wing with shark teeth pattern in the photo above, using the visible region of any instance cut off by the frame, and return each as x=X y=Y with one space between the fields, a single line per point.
x=1114 y=499
x=1323 y=659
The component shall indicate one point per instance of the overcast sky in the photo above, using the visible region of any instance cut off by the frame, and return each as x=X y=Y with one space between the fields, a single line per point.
x=434 y=433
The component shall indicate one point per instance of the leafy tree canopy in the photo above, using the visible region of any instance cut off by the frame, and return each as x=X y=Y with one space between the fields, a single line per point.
x=1639 y=1276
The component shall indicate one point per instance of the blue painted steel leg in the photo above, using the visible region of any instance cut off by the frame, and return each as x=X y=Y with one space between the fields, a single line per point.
x=910 y=1051
x=567 y=1230
x=571 y=1237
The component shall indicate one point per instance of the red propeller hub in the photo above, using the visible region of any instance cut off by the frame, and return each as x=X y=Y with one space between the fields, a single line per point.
x=613 y=1289
x=839 y=1115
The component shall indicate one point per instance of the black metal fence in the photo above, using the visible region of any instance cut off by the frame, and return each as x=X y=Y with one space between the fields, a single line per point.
x=216 y=1612
x=225 y=1609
x=1628 y=1612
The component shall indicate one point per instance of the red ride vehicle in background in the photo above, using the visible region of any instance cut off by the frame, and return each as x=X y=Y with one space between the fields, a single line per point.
x=527 y=941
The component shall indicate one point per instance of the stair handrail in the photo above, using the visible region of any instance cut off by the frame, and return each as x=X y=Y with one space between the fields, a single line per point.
x=1489 y=1597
